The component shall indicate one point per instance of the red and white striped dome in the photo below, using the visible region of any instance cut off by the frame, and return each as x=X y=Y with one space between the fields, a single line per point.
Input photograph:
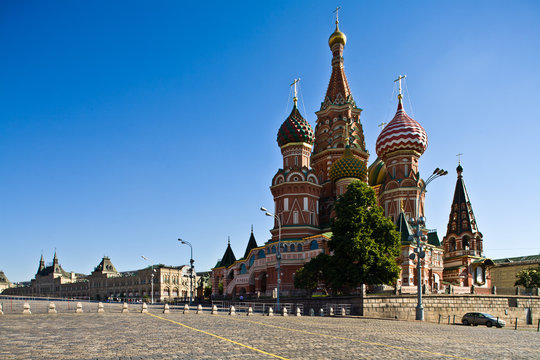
x=402 y=133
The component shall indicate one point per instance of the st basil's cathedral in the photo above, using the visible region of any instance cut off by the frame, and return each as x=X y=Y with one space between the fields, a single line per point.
x=317 y=168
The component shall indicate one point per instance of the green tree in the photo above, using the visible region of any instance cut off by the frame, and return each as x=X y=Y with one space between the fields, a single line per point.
x=220 y=288
x=529 y=278
x=366 y=244
x=316 y=272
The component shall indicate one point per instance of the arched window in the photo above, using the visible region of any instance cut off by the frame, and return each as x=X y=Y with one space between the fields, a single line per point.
x=252 y=260
x=292 y=248
x=261 y=254
x=285 y=248
x=299 y=247
x=465 y=242
x=273 y=249
x=452 y=245
x=314 y=245
x=243 y=269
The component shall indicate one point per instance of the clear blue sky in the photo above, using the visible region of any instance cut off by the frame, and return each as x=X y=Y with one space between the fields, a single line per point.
x=126 y=125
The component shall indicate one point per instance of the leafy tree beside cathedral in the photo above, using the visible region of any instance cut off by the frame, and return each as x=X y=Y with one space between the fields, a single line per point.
x=529 y=278
x=365 y=245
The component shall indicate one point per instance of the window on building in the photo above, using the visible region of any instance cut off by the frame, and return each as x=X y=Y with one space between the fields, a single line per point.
x=286 y=204
x=305 y=204
x=313 y=245
x=252 y=260
x=273 y=249
x=243 y=269
x=285 y=248
x=261 y=254
x=295 y=217
x=452 y=245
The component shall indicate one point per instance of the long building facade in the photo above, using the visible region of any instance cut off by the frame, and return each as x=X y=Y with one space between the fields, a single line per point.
x=170 y=283
x=317 y=167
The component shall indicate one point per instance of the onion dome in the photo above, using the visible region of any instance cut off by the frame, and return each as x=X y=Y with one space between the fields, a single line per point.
x=376 y=172
x=402 y=133
x=337 y=37
x=348 y=166
x=295 y=129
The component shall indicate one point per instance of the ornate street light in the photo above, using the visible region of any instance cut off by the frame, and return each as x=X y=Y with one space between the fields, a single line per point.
x=151 y=279
x=420 y=253
x=191 y=261
x=278 y=255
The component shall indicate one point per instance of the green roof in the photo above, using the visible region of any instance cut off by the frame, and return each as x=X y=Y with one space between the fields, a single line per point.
x=518 y=259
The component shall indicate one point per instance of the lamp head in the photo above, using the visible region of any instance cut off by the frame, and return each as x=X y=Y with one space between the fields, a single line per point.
x=268 y=214
x=263 y=209
x=182 y=241
x=144 y=257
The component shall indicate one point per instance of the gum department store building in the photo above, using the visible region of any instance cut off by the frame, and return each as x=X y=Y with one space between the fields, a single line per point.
x=317 y=168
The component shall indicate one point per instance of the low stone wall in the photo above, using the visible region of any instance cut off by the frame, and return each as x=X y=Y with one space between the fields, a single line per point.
x=507 y=307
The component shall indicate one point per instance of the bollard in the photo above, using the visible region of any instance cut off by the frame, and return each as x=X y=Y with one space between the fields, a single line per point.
x=125 y=308
x=144 y=308
x=270 y=311
x=250 y=311
x=26 y=308
x=343 y=311
x=515 y=327
x=52 y=309
x=538 y=327
x=284 y=311
x=232 y=310
x=321 y=312
x=100 y=308
x=214 y=310
x=448 y=319
x=439 y=318
x=331 y=312
x=1 y=309
x=311 y=312
x=186 y=309
x=166 y=309
x=298 y=311
x=79 y=309
x=454 y=320
x=199 y=309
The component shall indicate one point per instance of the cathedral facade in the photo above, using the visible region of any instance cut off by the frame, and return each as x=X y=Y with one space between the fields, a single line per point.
x=317 y=167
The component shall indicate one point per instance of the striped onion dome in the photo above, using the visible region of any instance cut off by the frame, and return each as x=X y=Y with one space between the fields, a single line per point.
x=376 y=172
x=348 y=166
x=295 y=129
x=402 y=133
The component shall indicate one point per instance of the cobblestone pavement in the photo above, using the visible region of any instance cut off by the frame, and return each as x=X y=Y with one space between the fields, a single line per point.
x=191 y=336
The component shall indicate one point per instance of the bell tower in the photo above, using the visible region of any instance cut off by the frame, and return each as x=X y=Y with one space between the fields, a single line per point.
x=337 y=111
x=295 y=187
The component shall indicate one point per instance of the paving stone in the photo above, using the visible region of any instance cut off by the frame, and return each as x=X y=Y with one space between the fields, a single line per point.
x=133 y=336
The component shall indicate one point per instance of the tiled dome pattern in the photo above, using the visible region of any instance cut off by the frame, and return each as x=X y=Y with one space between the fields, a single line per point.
x=348 y=166
x=402 y=133
x=295 y=129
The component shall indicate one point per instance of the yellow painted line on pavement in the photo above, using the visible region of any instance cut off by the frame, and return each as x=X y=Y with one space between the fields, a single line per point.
x=220 y=337
x=349 y=339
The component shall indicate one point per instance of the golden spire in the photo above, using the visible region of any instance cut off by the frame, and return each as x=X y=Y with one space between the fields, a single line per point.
x=400 y=77
x=295 y=99
x=337 y=36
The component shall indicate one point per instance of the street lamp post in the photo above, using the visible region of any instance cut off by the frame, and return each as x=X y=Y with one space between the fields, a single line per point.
x=420 y=253
x=278 y=255
x=151 y=280
x=191 y=261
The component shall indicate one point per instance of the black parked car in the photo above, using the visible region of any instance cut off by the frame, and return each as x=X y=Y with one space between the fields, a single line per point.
x=477 y=318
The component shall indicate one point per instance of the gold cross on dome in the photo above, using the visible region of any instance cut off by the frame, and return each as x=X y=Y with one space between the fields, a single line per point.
x=382 y=125
x=459 y=157
x=295 y=99
x=337 y=14
x=400 y=77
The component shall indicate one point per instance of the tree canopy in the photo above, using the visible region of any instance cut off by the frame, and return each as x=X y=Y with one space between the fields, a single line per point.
x=365 y=245
x=528 y=278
